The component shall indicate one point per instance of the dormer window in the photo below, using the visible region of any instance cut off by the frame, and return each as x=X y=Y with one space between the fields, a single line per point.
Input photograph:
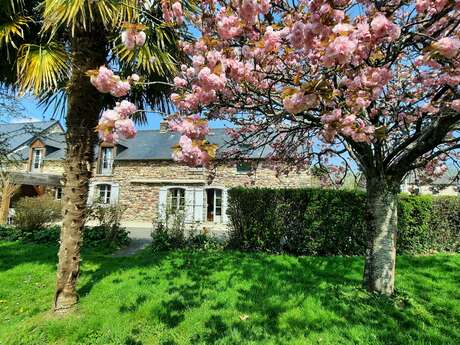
x=106 y=163
x=37 y=160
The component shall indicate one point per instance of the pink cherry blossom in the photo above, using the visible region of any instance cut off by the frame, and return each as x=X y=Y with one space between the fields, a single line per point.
x=179 y=82
x=132 y=38
x=125 y=128
x=455 y=105
x=228 y=27
x=104 y=80
x=382 y=27
x=125 y=109
x=190 y=153
x=177 y=12
x=110 y=116
x=340 y=51
x=121 y=89
x=447 y=46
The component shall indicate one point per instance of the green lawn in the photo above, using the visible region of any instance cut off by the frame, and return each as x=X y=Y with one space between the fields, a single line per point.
x=227 y=298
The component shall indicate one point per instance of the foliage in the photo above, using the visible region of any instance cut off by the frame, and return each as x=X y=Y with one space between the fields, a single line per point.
x=102 y=236
x=169 y=233
x=173 y=233
x=227 y=298
x=333 y=222
x=429 y=223
x=109 y=232
x=33 y=213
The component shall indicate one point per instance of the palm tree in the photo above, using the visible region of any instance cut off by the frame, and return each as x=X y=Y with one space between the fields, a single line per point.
x=49 y=45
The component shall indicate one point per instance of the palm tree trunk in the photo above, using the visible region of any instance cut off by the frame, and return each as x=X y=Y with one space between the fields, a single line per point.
x=380 y=261
x=84 y=105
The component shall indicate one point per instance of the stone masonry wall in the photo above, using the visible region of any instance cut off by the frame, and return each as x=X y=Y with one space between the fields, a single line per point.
x=140 y=182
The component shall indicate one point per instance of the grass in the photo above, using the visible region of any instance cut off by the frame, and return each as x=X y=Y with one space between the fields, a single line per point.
x=227 y=298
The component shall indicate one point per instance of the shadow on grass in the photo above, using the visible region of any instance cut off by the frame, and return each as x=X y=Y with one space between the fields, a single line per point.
x=13 y=254
x=285 y=298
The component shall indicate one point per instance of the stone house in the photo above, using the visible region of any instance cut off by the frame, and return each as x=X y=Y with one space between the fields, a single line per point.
x=140 y=174
x=446 y=185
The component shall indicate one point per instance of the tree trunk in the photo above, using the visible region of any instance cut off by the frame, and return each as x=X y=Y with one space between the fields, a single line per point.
x=84 y=106
x=382 y=208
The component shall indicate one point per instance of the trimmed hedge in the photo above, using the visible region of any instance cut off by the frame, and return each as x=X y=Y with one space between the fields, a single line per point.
x=332 y=222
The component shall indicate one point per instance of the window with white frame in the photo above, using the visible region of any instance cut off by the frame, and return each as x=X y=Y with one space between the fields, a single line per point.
x=37 y=159
x=214 y=205
x=105 y=191
x=106 y=163
x=197 y=204
x=176 y=200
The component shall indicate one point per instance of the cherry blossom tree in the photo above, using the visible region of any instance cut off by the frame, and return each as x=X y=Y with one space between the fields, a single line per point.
x=337 y=84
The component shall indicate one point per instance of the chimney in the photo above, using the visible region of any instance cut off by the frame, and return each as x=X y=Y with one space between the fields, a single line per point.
x=164 y=127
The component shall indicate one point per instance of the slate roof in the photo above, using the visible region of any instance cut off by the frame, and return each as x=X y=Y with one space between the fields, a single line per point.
x=19 y=134
x=147 y=145
x=156 y=145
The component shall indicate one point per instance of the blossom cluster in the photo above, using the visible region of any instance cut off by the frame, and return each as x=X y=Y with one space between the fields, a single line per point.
x=105 y=81
x=115 y=123
x=133 y=36
x=350 y=126
x=172 y=12
x=360 y=70
x=193 y=148
x=324 y=70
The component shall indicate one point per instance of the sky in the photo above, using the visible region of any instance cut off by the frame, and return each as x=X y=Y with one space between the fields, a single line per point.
x=32 y=112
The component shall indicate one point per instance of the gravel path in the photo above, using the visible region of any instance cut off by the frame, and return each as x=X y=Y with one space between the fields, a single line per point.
x=140 y=239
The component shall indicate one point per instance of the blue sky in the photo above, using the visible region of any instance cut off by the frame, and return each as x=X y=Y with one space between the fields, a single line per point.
x=33 y=112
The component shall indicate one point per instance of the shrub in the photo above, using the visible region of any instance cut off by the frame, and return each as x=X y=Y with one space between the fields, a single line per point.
x=332 y=222
x=36 y=213
x=171 y=234
x=109 y=232
x=203 y=241
x=101 y=236
x=8 y=233
x=47 y=235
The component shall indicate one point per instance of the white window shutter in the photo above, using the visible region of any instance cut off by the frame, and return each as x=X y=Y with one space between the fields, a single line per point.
x=199 y=201
x=162 y=203
x=224 y=206
x=189 y=204
x=114 y=194
x=91 y=194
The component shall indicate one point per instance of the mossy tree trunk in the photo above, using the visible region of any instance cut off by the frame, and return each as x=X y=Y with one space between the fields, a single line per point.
x=382 y=210
x=84 y=105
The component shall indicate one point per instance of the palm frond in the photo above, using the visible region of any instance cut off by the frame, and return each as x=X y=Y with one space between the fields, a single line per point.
x=69 y=13
x=11 y=28
x=40 y=68
x=54 y=101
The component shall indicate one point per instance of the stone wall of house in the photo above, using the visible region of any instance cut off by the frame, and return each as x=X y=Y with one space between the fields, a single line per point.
x=441 y=190
x=140 y=182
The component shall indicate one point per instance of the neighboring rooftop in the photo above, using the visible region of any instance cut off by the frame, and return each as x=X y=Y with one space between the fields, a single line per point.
x=20 y=134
